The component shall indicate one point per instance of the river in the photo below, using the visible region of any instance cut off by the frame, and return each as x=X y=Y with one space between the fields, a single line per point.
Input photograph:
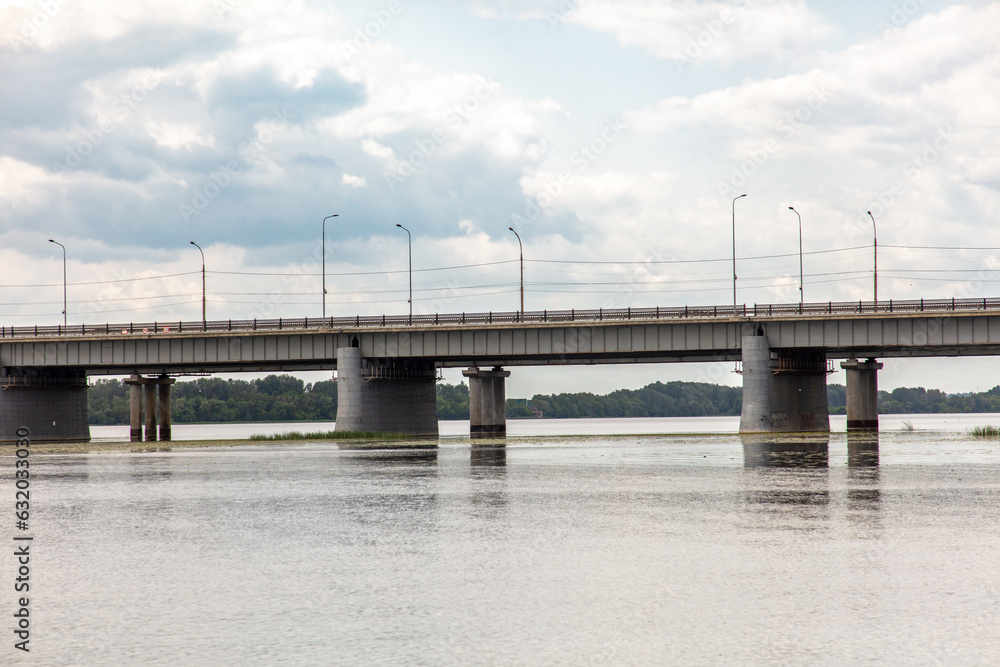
x=582 y=542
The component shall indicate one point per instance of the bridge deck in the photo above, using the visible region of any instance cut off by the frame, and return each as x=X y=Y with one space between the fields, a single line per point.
x=612 y=336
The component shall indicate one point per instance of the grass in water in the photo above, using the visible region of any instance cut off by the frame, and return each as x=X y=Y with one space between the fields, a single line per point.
x=328 y=435
x=985 y=432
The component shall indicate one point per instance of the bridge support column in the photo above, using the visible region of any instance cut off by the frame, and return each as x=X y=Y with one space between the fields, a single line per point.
x=163 y=383
x=50 y=403
x=150 y=394
x=862 y=394
x=784 y=391
x=385 y=395
x=487 y=402
x=135 y=407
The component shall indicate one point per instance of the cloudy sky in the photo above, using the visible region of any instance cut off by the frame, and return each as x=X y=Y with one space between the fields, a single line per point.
x=613 y=135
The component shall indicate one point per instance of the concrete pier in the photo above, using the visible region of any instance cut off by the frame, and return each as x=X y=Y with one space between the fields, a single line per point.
x=386 y=395
x=163 y=383
x=862 y=394
x=145 y=396
x=135 y=384
x=50 y=403
x=149 y=391
x=784 y=390
x=487 y=402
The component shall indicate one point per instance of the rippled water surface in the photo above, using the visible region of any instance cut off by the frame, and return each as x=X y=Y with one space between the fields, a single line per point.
x=604 y=549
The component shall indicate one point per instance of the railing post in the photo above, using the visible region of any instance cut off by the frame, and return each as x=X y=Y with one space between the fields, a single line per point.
x=921 y=305
x=890 y=305
x=953 y=304
x=600 y=314
x=545 y=315
x=685 y=311
x=572 y=315
x=230 y=324
x=279 y=324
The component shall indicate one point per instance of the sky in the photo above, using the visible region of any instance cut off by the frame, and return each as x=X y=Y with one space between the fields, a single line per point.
x=612 y=135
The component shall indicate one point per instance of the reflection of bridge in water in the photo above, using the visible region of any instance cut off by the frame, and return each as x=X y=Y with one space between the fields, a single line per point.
x=386 y=366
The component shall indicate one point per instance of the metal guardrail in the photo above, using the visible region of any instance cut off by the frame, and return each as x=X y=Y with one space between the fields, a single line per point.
x=512 y=317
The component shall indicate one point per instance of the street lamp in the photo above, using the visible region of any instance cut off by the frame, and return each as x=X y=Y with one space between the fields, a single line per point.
x=324 y=261
x=64 y=277
x=409 y=245
x=792 y=208
x=875 y=245
x=203 y=319
x=519 y=245
x=734 y=251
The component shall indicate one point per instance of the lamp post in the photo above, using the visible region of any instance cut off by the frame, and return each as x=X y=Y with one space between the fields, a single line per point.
x=203 y=319
x=64 y=278
x=792 y=208
x=409 y=245
x=324 y=261
x=875 y=246
x=519 y=245
x=734 y=251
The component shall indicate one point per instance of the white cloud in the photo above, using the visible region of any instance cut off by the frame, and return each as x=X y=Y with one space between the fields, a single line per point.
x=353 y=181
x=688 y=32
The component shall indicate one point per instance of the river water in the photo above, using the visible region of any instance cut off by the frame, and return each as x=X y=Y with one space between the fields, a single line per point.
x=688 y=547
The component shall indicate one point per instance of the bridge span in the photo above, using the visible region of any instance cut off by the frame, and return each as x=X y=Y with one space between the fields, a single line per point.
x=386 y=364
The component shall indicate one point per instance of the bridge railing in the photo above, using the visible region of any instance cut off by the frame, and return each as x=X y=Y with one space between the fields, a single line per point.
x=829 y=308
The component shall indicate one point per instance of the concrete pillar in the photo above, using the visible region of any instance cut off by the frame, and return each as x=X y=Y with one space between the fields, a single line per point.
x=784 y=391
x=487 y=402
x=862 y=394
x=386 y=395
x=135 y=407
x=163 y=383
x=150 y=391
x=50 y=403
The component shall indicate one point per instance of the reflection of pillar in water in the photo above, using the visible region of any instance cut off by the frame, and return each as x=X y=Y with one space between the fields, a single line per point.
x=786 y=452
x=489 y=456
x=862 y=449
x=863 y=492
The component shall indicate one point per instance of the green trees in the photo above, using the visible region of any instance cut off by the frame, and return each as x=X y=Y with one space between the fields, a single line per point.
x=276 y=398
x=453 y=401
x=279 y=398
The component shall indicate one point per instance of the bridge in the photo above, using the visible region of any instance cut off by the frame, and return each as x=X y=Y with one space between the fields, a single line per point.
x=386 y=365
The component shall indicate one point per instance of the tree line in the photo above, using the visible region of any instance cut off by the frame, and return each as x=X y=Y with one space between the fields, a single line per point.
x=284 y=398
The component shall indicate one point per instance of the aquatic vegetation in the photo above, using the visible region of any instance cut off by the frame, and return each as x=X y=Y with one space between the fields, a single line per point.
x=328 y=435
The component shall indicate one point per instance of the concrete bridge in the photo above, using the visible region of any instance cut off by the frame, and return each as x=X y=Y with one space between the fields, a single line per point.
x=387 y=364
